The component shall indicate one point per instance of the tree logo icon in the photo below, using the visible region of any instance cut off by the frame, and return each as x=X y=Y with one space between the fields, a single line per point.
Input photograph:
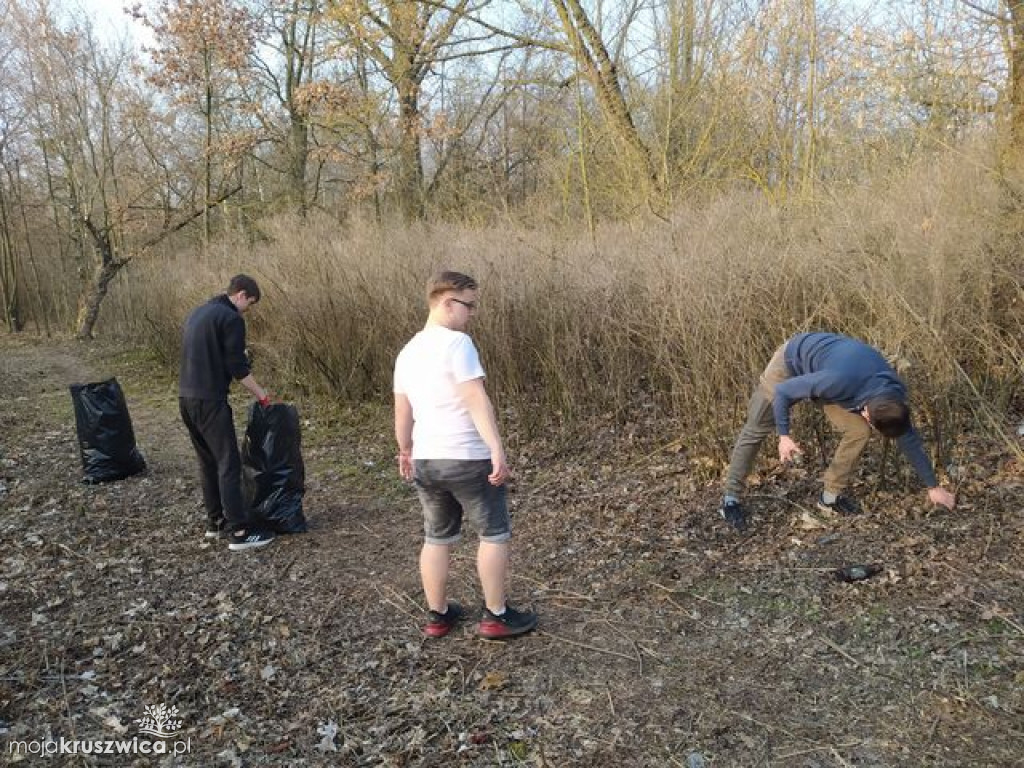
x=160 y=721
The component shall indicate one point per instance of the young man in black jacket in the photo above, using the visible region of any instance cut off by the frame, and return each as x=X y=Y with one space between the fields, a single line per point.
x=212 y=355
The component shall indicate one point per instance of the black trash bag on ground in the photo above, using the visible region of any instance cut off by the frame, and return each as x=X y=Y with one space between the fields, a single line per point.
x=105 y=435
x=273 y=474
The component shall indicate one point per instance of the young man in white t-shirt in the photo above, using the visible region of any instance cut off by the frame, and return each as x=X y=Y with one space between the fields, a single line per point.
x=449 y=446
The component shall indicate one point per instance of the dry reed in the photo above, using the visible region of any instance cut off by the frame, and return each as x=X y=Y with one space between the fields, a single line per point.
x=664 y=323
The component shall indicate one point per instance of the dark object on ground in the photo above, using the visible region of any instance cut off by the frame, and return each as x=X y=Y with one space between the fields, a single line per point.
x=105 y=435
x=851 y=573
x=734 y=514
x=843 y=505
x=273 y=474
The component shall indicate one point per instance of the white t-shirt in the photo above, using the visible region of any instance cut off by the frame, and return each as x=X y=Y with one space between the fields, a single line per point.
x=427 y=371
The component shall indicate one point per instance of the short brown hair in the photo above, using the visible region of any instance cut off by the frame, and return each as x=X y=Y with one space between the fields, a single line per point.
x=889 y=417
x=447 y=281
x=244 y=283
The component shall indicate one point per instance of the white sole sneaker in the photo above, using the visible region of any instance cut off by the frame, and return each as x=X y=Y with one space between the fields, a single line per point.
x=252 y=541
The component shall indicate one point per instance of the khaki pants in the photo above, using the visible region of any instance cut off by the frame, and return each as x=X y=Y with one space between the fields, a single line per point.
x=853 y=427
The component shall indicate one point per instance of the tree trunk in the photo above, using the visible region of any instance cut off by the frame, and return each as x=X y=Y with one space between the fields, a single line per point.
x=298 y=156
x=410 y=160
x=598 y=67
x=1017 y=81
x=9 y=293
x=298 y=38
x=89 y=309
x=208 y=159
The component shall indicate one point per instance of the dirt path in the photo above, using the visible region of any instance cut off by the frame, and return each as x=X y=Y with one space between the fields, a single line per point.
x=665 y=640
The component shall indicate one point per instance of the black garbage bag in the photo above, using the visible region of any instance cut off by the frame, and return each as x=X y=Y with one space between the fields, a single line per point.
x=273 y=474
x=105 y=435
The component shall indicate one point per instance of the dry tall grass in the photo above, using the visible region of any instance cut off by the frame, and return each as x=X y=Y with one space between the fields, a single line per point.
x=667 y=322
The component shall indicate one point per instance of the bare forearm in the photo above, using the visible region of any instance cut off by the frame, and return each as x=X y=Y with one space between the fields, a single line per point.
x=486 y=423
x=403 y=424
x=255 y=389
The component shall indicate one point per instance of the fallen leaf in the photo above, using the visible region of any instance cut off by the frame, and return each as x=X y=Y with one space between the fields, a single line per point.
x=493 y=681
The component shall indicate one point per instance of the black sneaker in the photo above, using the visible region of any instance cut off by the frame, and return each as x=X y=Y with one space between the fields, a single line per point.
x=215 y=530
x=508 y=624
x=237 y=542
x=843 y=505
x=440 y=624
x=734 y=514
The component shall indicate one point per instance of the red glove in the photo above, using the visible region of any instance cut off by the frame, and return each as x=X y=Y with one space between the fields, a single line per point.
x=264 y=401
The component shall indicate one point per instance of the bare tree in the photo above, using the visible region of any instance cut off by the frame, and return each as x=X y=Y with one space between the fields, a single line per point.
x=283 y=83
x=405 y=39
x=201 y=56
x=83 y=107
x=10 y=117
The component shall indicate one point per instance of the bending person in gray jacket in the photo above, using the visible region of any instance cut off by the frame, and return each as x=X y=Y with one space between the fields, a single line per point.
x=858 y=391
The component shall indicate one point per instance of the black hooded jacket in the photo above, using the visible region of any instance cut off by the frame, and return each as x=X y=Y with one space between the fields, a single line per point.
x=212 y=350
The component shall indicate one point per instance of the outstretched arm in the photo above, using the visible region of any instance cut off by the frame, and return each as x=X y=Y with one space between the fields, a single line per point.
x=912 y=447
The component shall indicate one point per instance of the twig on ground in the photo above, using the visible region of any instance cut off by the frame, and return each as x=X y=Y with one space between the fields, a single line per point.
x=838 y=757
x=792 y=503
x=578 y=644
x=655 y=452
x=691 y=594
x=565 y=594
x=996 y=611
x=542 y=585
x=772 y=728
x=649 y=652
x=287 y=568
x=821 y=748
x=838 y=649
x=72 y=552
x=401 y=597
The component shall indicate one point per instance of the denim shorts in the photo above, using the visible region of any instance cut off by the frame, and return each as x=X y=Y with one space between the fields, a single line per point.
x=449 y=487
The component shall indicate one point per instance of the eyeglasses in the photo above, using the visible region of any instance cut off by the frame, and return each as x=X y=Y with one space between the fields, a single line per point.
x=470 y=305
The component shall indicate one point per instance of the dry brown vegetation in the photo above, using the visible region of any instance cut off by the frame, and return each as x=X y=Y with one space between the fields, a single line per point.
x=667 y=321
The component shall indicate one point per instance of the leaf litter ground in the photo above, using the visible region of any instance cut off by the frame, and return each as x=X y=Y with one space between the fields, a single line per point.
x=665 y=638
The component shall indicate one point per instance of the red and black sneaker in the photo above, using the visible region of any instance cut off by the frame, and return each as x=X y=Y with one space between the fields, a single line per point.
x=440 y=624
x=508 y=624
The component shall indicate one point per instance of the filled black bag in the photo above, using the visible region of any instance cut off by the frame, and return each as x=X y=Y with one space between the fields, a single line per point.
x=273 y=474
x=105 y=435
